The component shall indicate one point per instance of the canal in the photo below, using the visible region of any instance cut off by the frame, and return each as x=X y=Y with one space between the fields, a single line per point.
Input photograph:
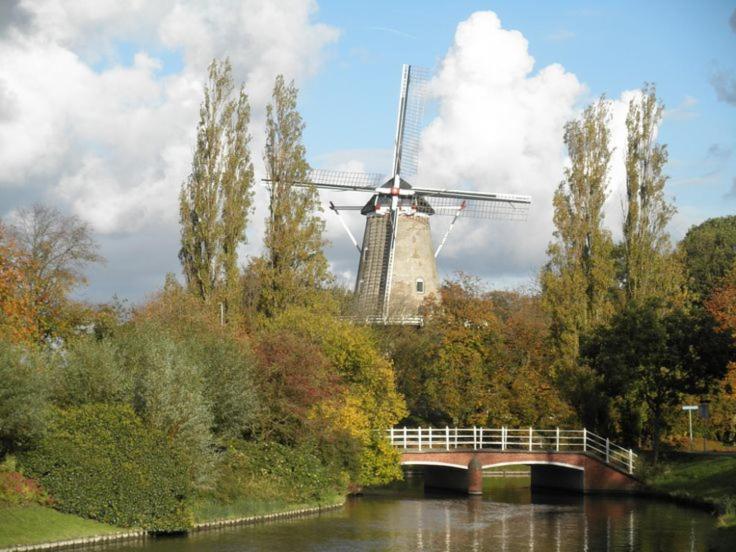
x=508 y=517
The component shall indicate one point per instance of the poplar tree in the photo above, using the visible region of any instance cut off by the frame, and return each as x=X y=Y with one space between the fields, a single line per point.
x=216 y=198
x=579 y=275
x=650 y=268
x=294 y=264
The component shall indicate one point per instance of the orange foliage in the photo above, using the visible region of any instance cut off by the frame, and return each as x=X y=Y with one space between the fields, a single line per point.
x=722 y=303
x=18 y=322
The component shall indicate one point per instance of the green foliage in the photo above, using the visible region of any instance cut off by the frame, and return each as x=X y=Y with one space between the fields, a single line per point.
x=579 y=276
x=224 y=359
x=90 y=371
x=103 y=463
x=169 y=394
x=23 y=397
x=651 y=357
x=294 y=265
x=265 y=471
x=216 y=198
x=650 y=269
x=710 y=252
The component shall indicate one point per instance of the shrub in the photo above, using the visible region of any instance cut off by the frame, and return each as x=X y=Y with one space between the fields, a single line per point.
x=267 y=471
x=169 y=393
x=15 y=488
x=23 y=404
x=89 y=371
x=101 y=462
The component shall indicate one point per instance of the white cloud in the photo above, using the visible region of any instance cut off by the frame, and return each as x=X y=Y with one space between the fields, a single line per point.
x=111 y=142
x=499 y=129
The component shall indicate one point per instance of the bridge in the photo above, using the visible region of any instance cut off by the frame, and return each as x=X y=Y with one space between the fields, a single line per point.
x=570 y=459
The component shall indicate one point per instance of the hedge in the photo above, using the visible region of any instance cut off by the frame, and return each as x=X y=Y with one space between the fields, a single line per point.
x=101 y=462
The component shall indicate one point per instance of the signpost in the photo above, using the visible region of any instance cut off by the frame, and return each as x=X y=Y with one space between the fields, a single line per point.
x=690 y=408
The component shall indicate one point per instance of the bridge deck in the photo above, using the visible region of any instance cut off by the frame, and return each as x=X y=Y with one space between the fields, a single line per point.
x=504 y=439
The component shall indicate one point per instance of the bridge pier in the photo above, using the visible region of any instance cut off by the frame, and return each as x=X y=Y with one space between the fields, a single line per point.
x=469 y=480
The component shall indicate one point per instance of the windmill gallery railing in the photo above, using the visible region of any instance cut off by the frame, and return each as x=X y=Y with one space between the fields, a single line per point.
x=514 y=440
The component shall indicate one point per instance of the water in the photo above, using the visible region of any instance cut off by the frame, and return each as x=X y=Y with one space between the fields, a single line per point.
x=508 y=518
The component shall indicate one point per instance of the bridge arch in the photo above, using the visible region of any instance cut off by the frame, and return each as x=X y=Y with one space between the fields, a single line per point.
x=534 y=463
x=432 y=463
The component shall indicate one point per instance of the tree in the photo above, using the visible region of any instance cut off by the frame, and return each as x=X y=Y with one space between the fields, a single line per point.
x=578 y=278
x=652 y=357
x=480 y=359
x=710 y=252
x=650 y=269
x=18 y=322
x=722 y=307
x=294 y=264
x=216 y=198
x=54 y=251
x=349 y=413
x=23 y=397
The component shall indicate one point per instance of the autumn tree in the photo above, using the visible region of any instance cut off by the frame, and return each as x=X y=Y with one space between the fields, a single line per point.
x=18 y=322
x=216 y=198
x=579 y=275
x=294 y=264
x=346 y=398
x=54 y=251
x=722 y=307
x=650 y=268
x=481 y=358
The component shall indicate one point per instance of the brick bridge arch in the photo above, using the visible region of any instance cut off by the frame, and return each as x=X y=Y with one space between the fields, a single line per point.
x=462 y=470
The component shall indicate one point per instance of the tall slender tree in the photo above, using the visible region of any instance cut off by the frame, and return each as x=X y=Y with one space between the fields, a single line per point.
x=294 y=264
x=579 y=275
x=650 y=268
x=216 y=198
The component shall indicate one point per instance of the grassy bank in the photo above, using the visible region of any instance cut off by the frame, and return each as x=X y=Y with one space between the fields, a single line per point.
x=706 y=478
x=35 y=524
x=209 y=510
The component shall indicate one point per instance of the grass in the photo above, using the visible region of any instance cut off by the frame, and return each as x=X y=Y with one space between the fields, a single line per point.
x=210 y=510
x=701 y=477
x=34 y=524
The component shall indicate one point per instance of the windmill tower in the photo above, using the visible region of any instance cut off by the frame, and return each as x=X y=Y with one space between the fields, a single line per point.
x=398 y=268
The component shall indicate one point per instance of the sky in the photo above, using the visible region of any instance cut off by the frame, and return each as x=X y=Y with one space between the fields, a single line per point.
x=99 y=102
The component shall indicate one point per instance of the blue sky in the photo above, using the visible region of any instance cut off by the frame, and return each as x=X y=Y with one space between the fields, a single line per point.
x=610 y=46
x=99 y=100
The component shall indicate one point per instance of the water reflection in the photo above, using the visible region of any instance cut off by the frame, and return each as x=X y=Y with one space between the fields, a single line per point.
x=508 y=518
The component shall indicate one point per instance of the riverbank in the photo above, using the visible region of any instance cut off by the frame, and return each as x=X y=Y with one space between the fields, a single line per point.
x=706 y=479
x=34 y=524
x=34 y=527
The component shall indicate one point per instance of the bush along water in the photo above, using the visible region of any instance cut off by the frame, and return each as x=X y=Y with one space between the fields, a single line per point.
x=101 y=462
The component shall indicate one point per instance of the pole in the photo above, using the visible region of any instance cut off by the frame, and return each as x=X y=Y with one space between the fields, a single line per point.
x=690 y=421
x=345 y=226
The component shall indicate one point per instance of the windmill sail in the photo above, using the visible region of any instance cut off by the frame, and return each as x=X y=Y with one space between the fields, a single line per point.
x=342 y=181
x=414 y=89
x=476 y=204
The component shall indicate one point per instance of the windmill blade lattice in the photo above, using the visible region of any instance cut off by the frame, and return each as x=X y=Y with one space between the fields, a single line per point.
x=342 y=180
x=417 y=89
x=474 y=208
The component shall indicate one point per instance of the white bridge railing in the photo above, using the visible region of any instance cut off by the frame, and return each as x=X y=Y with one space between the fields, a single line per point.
x=513 y=440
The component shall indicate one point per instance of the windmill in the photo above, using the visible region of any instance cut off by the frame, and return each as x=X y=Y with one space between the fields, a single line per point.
x=398 y=268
